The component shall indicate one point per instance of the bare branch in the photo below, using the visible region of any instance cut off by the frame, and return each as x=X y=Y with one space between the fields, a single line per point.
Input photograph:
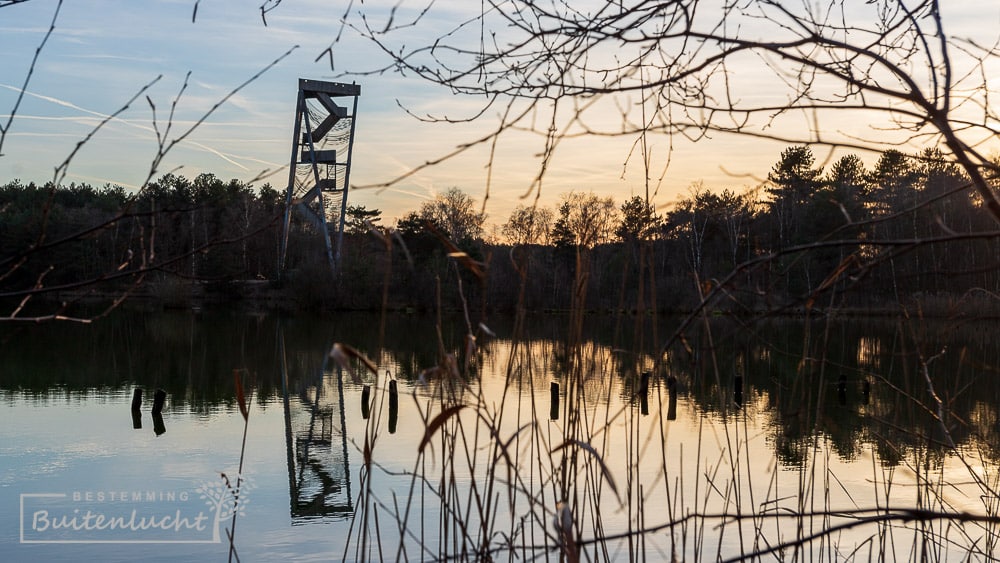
x=5 y=128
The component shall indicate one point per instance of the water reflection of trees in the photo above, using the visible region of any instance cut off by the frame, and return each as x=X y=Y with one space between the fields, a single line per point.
x=810 y=379
x=806 y=379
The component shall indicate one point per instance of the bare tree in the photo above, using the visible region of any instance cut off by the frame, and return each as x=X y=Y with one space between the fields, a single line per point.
x=528 y=225
x=764 y=68
x=585 y=220
x=455 y=212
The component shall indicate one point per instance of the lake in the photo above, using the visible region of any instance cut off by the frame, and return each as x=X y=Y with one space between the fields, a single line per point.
x=833 y=438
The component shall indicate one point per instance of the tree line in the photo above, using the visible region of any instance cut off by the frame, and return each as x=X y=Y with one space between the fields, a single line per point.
x=845 y=235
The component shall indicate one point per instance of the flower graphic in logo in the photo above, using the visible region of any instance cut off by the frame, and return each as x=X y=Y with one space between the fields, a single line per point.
x=225 y=497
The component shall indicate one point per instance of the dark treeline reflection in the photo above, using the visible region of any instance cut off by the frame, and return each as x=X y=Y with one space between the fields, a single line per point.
x=851 y=381
x=192 y=355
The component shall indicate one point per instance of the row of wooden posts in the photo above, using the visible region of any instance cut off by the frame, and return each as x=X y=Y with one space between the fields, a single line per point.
x=643 y=395
x=159 y=398
x=366 y=396
x=866 y=390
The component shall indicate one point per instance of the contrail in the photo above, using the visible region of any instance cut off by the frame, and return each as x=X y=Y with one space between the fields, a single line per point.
x=228 y=157
x=56 y=101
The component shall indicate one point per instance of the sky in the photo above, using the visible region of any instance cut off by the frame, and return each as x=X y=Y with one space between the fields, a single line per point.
x=103 y=52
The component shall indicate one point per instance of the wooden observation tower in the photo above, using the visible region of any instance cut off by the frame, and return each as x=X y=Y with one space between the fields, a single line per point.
x=319 y=172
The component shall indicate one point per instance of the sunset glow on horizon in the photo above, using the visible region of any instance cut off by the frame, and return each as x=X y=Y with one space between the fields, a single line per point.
x=101 y=54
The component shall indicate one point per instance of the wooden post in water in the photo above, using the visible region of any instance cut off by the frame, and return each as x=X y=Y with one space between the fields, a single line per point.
x=136 y=408
x=672 y=391
x=866 y=389
x=554 y=400
x=158 y=426
x=644 y=393
x=159 y=397
x=738 y=390
x=842 y=390
x=393 y=406
x=366 y=395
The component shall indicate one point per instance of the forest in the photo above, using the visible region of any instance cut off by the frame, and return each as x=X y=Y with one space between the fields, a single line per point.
x=907 y=232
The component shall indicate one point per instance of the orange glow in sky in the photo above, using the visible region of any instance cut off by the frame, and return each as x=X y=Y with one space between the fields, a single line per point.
x=101 y=54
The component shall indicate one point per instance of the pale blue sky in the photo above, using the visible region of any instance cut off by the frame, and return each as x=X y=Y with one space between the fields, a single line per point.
x=103 y=51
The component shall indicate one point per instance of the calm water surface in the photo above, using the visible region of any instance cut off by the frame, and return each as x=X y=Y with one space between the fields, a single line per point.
x=832 y=416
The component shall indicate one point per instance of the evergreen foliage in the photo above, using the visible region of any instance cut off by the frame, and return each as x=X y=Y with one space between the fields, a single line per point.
x=910 y=226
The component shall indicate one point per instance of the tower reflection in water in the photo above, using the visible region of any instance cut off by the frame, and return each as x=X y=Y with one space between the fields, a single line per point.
x=316 y=439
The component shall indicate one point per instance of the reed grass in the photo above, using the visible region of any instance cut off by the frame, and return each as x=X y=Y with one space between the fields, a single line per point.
x=493 y=478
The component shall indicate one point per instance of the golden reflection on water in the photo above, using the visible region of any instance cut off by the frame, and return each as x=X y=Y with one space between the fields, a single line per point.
x=797 y=441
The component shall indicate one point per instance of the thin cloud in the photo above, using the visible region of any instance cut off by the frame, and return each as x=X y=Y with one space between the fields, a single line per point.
x=56 y=101
x=97 y=116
